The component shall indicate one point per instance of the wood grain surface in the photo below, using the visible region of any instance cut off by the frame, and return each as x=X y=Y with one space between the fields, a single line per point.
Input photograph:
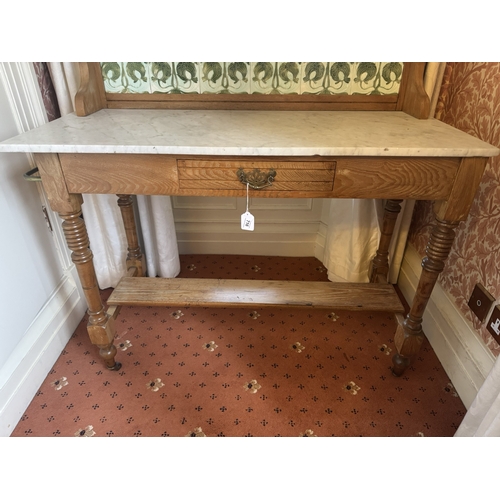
x=254 y=293
x=352 y=177
x=120 y=173
x=463 y=190
x=396 y=178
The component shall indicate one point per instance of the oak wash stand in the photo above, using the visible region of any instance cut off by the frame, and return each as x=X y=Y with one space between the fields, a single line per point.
x=321 y=146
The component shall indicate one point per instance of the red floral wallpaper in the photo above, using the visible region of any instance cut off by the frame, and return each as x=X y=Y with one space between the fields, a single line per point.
x=47 y=90
x=470 y=101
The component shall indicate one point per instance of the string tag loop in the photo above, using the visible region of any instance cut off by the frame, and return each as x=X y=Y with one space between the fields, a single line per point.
x=247 y=219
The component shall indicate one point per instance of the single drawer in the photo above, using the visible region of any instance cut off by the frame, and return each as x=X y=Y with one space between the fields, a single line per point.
x=225 y=174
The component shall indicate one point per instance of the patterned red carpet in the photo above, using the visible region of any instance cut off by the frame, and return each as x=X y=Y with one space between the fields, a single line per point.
x=240 y=372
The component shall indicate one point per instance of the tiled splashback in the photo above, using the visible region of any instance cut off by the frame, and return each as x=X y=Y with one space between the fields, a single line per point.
x=313 y=78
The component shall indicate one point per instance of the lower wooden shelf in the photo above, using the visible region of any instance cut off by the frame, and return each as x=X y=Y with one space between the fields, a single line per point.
x=134 y=291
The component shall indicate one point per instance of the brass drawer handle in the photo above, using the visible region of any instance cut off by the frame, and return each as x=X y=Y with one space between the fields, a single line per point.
x=255 y=178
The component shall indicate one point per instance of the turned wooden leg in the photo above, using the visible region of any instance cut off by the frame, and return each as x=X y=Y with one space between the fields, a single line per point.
x=134 y=256
x=100 y=326
x=380 y=263
x=409 y=338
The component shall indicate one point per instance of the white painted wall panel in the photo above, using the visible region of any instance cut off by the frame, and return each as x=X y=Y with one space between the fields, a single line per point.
x=30 y=267
x=41 y=302
x=283 y=226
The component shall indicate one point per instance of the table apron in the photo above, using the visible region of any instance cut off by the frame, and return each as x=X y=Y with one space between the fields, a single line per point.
x=424 y=178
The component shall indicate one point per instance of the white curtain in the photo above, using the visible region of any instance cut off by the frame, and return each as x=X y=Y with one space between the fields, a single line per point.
x=158 y=231
x=352 y=238
x=102 y=214
x=354 y=225
x=483 y=417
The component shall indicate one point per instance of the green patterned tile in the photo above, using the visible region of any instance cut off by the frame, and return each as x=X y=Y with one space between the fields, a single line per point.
x=126 y=77
x=275 y=77
x=377 y=78
x=225 y=77
x=175 y=77
x=289 y=77
x=306 y=78
x=391 y=77
x=326 y=78
x=161 y=76
x=262 y=75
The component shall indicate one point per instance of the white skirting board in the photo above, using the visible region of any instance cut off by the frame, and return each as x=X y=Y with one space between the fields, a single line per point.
x=38 y=350
x=289 y=240
x=463 y=354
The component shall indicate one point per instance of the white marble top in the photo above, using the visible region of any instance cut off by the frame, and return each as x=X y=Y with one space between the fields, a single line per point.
x=289 y=133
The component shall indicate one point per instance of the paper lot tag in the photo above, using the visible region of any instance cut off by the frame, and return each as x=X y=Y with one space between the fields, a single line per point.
x=247 y=221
